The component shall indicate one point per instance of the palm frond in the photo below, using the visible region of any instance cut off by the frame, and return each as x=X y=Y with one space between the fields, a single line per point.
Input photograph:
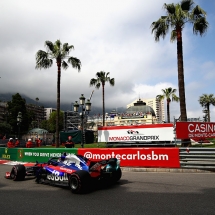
x=93 y=82
x=198 y=12
x=186 y=5
x=58 y=44
x=107 y=73
x=112 y=81
x=66 y=48
x=175 y=98
x=173 y=36
x=97 y=86
x=100 y=75
x=64 y=65
x=42 y=60
x=159 y=97
x=49 y=46
x=170 y=8
x=200 y=26
x=160 y=28
x=198 y=18
x=75 y=62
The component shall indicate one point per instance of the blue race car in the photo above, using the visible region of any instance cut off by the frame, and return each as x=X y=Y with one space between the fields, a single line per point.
x=75 y=171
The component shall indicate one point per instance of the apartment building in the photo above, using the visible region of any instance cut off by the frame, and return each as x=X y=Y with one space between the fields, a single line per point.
x=39 y=112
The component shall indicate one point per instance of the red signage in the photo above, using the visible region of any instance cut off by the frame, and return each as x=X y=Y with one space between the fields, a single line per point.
x=194 y=130
x=136 y=157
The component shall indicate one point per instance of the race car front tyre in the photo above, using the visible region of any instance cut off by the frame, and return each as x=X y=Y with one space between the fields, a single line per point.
x=18 y=173
x=79 y=181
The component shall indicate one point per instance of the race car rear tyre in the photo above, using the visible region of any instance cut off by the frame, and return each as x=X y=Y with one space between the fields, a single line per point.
x=117 y=175
x=79 y=181
x=18 y=173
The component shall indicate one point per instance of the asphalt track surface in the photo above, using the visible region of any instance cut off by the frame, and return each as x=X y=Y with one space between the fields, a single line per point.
x=136 y=193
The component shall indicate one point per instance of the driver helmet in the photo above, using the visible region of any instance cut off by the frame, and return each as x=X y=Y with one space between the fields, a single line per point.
x=63 y=156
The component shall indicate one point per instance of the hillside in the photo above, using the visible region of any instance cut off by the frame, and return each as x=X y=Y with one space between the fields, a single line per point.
x=64 y=106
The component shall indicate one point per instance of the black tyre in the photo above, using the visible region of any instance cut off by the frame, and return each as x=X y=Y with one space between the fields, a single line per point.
x=18 y=173
x=79 y=181
x=117 y=175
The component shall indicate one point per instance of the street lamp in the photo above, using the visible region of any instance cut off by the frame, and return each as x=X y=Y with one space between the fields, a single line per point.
x=85 y=108
x=19 y=120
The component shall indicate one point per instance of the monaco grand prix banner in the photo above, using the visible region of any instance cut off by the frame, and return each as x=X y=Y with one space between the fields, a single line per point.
x=136 y=157
x=194 y=130
x=136 y=133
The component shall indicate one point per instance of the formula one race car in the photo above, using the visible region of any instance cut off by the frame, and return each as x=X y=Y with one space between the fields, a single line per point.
x=75 y=171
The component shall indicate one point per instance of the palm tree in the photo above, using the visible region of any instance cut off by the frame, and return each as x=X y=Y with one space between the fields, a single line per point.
x=177 y=16
x=60 y=53
x=101 y=79
x=205 y=101
x=37 y=99
x=169 y=94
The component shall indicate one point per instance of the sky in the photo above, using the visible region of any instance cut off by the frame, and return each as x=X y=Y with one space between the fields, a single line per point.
x=108 y=35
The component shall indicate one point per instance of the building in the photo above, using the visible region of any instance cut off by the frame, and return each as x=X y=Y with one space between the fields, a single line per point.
x=72 y=120
x=156 y=105
x=39 y=112
x=3 y=116
x=48 y=111
x=136 y=114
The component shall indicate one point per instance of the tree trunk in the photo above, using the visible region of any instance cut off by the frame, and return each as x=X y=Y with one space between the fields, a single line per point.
x=58 y=103
x=208 y=109
x=185 y=142
x=103 y=97
x=168 y=114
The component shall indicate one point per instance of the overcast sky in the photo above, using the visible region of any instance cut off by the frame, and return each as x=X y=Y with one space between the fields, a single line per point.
x=108 y=35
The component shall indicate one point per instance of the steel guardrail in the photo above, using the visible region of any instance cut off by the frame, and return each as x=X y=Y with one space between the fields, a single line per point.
x=197 y=158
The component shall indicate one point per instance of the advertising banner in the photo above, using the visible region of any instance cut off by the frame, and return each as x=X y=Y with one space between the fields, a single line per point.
x=33 y=154
x=8 y=153
x=136 y=157
x=200 y=130
x=136 y=133
x=132 y=157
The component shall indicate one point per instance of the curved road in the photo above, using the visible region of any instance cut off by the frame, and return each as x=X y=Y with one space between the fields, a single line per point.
x=136 y=193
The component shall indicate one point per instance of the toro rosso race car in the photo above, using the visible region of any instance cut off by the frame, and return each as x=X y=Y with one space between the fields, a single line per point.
x=75 y=171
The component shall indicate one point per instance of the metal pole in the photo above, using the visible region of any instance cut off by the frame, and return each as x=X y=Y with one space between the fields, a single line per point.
x=18 y=129
x=82 y=127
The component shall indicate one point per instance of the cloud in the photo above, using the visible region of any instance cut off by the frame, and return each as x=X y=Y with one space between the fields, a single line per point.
x=111 y=36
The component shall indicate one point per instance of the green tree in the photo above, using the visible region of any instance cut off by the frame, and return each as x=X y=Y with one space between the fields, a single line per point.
x=205 y=101
x=5 y=128
x=52 y=122
x=44 y=125
x=32 y=119
x=177 y=15
x=101 y=79
x=170 y=95
x=60 y=53
x=16 y=105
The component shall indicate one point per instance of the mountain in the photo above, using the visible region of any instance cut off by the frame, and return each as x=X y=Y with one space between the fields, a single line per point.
x=64 y=106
